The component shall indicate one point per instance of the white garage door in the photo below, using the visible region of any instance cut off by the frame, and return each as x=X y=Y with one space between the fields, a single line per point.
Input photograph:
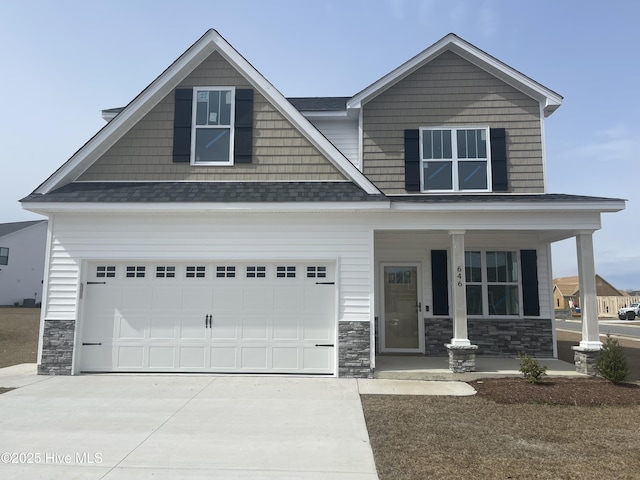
x=208 y=317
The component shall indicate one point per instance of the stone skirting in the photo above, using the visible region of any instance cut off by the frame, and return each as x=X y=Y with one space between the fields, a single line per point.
x=57 y=347
x=494 y=337
x=462 y=358
x=354 y=349
x=585 y=360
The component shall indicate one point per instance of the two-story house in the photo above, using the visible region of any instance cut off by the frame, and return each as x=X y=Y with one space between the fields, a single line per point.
x=214 y=225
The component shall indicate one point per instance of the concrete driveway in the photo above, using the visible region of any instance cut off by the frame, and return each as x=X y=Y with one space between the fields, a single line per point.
x=167 y=427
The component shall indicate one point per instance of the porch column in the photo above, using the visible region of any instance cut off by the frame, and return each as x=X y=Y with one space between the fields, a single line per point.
x=586 y=353
x=462 y=355
x=458 y=290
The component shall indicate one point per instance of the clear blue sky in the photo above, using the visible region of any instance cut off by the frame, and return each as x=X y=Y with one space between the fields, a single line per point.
x=64 y=61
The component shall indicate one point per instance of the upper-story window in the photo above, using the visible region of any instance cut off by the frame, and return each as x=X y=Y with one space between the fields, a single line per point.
x=212 y=125
x=4 y=256
x=455 y=159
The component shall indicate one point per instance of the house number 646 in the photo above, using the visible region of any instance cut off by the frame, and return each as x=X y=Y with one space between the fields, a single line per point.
x=459 y=275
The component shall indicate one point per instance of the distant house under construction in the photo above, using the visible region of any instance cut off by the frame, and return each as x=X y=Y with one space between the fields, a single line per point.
x=566 y=296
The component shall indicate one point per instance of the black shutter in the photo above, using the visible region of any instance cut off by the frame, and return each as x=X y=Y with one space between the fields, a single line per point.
x=439 y=282
x=499 y=160
x=412 y=160
x=182 y=125
x=530 y=299
x=242 y=144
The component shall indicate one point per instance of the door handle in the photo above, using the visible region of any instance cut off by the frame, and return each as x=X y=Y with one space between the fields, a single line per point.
x=207 y=321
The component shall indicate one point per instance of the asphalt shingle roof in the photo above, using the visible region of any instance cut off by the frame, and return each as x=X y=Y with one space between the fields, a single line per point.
x=254 y=192
x=210 y=192
x=319 y=104
x=7 y=228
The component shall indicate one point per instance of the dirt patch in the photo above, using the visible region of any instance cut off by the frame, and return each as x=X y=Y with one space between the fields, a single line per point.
x=418 y=437
x=18 y=335
x=584 y=392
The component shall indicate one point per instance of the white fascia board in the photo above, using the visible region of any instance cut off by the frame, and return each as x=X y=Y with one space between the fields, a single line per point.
x=350 y=114
x=330 y=115
x=550 y=99
x=604 y=206
x=53 y=207
x=166 y=82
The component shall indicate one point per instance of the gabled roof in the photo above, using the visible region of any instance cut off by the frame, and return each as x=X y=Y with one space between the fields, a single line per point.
x=570 y=286
x=549 y=99
x=7 y=228
x=167 y=81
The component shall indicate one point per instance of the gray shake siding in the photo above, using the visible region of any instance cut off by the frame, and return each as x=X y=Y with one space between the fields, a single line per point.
x=280 y=152
x=449 y=90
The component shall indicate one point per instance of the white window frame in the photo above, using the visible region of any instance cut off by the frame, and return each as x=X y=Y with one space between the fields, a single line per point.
x=485 y=282
x=5 y=257
x=194 y=127
x=454 y=159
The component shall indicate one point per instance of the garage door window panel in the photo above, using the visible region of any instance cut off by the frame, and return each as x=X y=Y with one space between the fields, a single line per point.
x=193 y=271
x=316 y=272
x=285 y=272
x=256 y=272
x=165 y=272
x=105 y=271
x=225 y=272
x=136 y=271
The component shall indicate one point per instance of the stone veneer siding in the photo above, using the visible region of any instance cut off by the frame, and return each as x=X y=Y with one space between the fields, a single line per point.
x=354 y=350
x=494 y=337
x=57 y=347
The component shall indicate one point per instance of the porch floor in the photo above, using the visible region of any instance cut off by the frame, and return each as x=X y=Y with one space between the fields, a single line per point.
x=437 y=368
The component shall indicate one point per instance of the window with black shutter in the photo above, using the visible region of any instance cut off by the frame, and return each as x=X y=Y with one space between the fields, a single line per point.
x=455 y=159
x=213 y=126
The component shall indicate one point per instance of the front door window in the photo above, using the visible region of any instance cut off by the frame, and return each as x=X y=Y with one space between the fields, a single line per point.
x=401 y=325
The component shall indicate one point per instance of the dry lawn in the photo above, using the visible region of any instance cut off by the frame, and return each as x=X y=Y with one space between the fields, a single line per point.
x=476 y=437
x=472 y=437
x=18 y=335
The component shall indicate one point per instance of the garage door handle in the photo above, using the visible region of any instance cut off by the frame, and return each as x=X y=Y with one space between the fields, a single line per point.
x=83 y=343
x=324 y=345
x=207 y=321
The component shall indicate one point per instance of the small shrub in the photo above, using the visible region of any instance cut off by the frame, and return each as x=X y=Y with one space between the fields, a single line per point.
x=531 y=369
x=611 y=362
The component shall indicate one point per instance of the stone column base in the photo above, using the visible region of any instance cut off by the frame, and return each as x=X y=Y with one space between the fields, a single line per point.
x=585 y=360
x=462 y=358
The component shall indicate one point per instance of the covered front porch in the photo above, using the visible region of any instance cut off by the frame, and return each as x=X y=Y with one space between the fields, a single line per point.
x=463 y=293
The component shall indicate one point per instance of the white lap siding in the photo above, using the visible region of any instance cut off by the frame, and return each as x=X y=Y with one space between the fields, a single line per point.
x=229 y=236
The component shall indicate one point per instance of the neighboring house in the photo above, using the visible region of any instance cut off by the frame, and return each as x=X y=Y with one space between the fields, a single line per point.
x=215 y=226
x=22 y=254
x=566 y=295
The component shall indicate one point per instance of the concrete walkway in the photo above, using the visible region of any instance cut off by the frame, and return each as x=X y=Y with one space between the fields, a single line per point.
x=183 y=426
x=437 y=368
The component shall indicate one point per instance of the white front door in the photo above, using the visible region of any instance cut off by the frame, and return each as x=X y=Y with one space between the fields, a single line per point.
x=253 y=317
x=402 y=326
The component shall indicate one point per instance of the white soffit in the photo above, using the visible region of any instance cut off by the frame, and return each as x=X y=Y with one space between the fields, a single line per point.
x=549 y=99
x=167 y=81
